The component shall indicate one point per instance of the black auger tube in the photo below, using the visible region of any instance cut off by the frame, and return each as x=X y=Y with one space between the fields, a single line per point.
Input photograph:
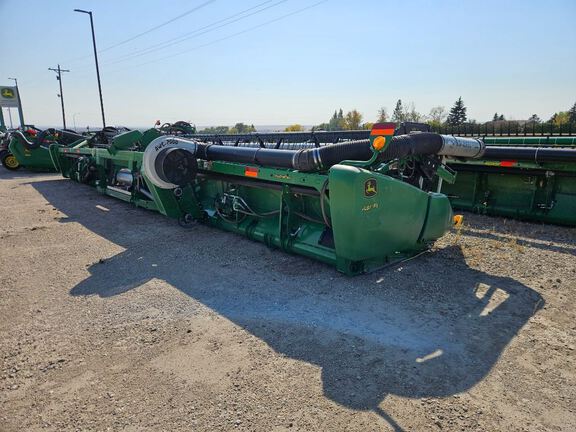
x=531 y=154
x=318 y=159
x=417 y=144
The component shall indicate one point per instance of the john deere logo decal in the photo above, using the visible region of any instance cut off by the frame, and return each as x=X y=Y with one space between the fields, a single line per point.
x=8 y=93
x=370 y=188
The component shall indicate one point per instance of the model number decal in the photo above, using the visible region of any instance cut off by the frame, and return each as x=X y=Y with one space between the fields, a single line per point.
x=370 y=207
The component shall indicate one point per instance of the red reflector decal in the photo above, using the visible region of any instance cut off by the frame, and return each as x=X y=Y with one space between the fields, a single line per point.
x=382 y=132
x=251 y=172
x=508 y=163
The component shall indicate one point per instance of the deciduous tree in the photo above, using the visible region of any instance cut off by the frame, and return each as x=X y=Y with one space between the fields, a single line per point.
x=353 y=120
x=294 y=128
x=382 y=115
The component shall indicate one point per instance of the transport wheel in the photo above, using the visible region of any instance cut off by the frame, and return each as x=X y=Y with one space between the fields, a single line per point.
x=10 y=162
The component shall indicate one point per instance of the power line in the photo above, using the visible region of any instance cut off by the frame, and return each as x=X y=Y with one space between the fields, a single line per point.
x=198 y=32
x=149 y=30
x=229 y=36
x=159 y=25
x=226 y=37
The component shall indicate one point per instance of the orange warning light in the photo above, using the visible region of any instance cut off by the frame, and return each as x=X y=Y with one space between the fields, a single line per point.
x=379 y=143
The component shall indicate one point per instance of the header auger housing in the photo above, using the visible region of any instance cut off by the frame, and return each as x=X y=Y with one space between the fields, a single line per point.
x=357 y=204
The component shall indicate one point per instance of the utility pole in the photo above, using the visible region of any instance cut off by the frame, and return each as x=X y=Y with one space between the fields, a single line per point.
x=61 y=95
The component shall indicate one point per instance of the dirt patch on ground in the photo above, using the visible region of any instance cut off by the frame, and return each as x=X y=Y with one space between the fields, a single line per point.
x=116 y=318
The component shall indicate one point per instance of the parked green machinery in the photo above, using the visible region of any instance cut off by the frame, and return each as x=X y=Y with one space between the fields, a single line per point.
x=529 y=178
x=356 y=204
x=7 y=158
x=30 y=148
x=4 y=141
x=533 y=179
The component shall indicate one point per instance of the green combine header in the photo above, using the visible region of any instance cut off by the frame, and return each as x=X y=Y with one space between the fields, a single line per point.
x=528 y=178
x=357 y=204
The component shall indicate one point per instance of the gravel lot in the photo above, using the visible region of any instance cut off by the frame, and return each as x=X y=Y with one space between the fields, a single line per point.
x=115 y=318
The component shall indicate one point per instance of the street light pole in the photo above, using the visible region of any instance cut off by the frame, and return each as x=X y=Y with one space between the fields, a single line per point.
x=96 y=60
x=20 y=112
x=59 y=78
x=74 y=119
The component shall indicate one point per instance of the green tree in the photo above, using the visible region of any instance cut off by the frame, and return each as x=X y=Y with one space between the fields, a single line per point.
x=294 y=128
x=495 y=118
x=353 y=120
x=534 y=119
x=337 y=121
x=437 y=115
x=382 y=115
x=501 y=118
x=399 y=115
x=219 y=130
x=241 y=128
x=321 y=127
x=572 y=114
x=560 y=118
x=457 y=114
x=411 y=115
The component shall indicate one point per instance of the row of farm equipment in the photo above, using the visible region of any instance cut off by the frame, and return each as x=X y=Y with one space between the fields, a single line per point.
x=355 y=199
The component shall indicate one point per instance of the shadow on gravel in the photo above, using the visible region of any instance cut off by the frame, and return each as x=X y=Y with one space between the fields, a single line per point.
x=432 y=327
x=541 y=243
x=22 y=173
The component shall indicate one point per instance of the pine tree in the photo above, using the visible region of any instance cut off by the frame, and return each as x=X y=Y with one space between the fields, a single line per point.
x=534 y=119
x=337 y=122
x=501 y=118
x=572 y=113
x=333 y=124
x=398 y=115
x=457 y=114
x=495 y=118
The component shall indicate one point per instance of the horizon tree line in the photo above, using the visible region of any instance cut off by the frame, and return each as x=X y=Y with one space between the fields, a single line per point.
x=438 y=117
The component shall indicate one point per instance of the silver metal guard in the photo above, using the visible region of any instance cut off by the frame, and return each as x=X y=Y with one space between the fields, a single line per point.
x=462 y=147
x=153 y=150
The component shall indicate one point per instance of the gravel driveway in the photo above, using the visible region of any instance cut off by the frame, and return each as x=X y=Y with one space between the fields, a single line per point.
x=116 y=318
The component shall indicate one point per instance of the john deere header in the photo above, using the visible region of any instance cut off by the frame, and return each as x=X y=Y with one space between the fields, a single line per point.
x=355 y=204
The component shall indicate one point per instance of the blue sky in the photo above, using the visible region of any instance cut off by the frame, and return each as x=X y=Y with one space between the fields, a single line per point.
x=291 y=61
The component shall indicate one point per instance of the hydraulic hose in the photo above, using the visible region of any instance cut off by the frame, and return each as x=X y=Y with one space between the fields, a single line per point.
x=304 y=160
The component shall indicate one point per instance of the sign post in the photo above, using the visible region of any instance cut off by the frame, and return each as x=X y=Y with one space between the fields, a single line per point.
x=10 y=98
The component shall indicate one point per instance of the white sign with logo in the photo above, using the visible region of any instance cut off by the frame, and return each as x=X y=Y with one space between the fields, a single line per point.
x=8 y=97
